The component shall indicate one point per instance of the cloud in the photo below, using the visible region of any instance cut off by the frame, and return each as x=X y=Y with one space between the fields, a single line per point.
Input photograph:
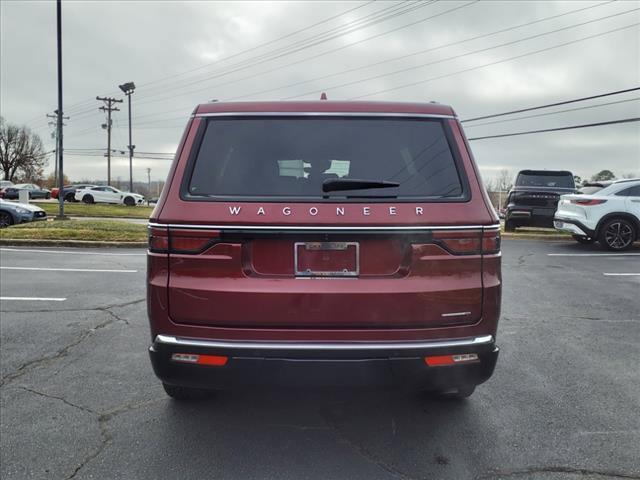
x=107 y=43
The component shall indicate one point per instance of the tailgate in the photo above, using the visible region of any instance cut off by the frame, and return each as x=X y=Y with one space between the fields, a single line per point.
x=315 y=278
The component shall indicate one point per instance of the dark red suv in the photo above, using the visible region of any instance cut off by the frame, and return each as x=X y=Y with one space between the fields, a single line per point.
x=349 y=243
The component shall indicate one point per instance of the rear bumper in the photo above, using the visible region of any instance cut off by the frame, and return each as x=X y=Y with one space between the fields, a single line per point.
x=573 y=226
x=324 y=364
x=530 y=216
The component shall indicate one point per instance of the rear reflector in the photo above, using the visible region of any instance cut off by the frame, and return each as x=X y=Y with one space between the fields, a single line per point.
x=212 y=360
x=441 y=360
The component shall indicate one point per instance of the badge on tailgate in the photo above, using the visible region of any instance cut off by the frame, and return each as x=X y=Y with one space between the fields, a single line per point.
x=327 y=259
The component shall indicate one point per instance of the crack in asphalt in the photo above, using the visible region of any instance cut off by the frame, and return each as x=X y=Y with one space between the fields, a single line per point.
x=102 y=419
x=555 y=469
x=42 y=361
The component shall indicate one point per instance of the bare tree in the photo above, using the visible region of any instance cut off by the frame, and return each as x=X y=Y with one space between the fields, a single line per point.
x=22 y=154
x=504 y=181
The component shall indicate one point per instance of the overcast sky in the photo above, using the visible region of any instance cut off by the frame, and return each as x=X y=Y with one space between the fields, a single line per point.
x=183 y=53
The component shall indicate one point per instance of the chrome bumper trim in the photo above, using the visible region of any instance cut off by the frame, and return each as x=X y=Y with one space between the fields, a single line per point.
x=194 y=342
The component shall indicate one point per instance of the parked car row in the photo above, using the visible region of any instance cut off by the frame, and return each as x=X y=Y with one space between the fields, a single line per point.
x=607 y=212
x=87 y=193
x=12 y=191
x=13 y=213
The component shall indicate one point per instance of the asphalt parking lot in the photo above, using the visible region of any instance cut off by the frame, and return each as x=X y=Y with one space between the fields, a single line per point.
x=79 y=399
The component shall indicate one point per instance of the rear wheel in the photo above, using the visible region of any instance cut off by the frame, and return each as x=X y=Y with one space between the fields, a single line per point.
x=129 y=201
x=47 y=196
x=186 y=393
x=87 y=199
x=509 y=226
x=70 y=197
x=584 y=240
x=6 y=219
x=617 y=234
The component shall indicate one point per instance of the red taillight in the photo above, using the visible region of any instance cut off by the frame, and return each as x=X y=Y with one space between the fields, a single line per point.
x=491 y=242
x=468 y=243
x=158 y=240
x=182 y=241
x=587 y=202
x=191 y=241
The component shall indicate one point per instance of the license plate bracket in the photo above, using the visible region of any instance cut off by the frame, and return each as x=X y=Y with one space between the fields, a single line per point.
x=326 y=259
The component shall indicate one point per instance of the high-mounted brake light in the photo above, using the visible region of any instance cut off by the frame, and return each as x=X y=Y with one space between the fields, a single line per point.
x=587 y=202
x=210 y=360
x=442 y=360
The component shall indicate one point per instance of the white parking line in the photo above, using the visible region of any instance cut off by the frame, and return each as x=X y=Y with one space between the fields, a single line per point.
x=68 y=269
x=622 y=274
x=65 y=252
x=593 y=254
x=36 y=299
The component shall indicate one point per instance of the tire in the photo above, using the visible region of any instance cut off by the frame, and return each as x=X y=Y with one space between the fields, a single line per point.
x=459 y=393
x=186 y=393
x=6 y=219
x=47 y=196
x=87 y=199
x=129 y=201
x=509 y=226
x=583 y=240
x=617 y=234
x=70 y=197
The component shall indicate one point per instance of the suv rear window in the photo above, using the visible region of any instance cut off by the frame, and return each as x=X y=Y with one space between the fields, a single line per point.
x=291 y=157
x=532 y=178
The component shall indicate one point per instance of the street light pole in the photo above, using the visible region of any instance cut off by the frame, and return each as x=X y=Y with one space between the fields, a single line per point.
x=59 y=111
x=128 y=89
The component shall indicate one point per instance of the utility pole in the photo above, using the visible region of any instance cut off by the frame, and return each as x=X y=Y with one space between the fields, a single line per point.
x=148 y=185
x=59 y=111
x=54 y=135
x=108 y=107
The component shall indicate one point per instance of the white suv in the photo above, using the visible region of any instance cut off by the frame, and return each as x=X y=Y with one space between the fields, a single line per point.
x=611 y=215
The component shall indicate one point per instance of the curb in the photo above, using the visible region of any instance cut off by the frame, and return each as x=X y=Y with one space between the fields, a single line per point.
x=535 y=236
x=69 y=243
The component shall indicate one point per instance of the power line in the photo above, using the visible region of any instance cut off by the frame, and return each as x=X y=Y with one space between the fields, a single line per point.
x=508 y=59
x=481 y=50
x=421 y=52
x=570 y=127
x=306 y=59
x=317 y=39
x=582 y=99
x=262 y=45
x=557 y=111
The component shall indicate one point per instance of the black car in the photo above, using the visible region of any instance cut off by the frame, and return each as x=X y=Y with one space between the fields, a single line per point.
x=35 y=191
x=534 y=198
x=69 y=191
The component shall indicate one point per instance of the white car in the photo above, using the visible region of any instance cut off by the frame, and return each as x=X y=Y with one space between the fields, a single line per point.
x=106 y=194
x=610 y=216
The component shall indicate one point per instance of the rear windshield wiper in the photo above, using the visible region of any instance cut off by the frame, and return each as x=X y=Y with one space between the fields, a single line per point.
x=336 y=184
